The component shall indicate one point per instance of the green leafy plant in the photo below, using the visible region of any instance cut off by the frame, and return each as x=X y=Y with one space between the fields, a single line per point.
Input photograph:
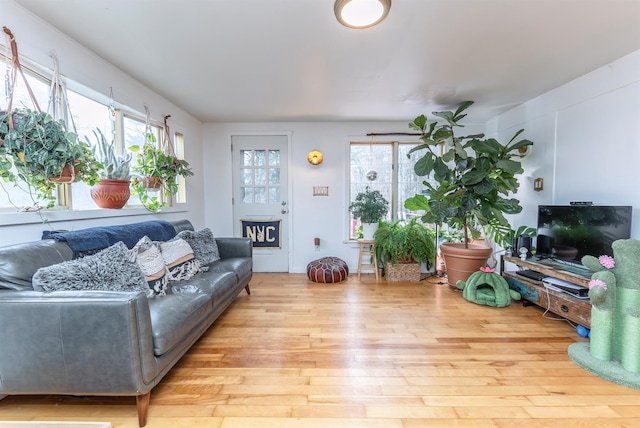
x=156 y=174
x=400 y=242
x=450 y=234
x=115 y=166
x=471 y=180
x=39 y=148
x=369 y=206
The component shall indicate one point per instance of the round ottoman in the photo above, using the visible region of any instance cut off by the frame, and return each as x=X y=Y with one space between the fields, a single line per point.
x=328 y=269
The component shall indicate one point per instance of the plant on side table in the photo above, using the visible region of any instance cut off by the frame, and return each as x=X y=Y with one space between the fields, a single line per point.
x=403 y=247
x=370 y=207
x=44 y=154
x=113 y=189
x=472 y=180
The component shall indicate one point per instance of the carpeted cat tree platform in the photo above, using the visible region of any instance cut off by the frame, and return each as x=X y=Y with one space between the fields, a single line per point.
x=614 y=350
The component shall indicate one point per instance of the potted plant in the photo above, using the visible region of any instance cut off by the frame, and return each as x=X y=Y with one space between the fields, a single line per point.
x=370 y=207
x=157 y=174
x=113 y=189
x=41 y=152
x=472 y=181
x=403 y=247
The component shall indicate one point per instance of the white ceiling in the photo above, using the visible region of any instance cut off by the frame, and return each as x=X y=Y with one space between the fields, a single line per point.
x=290 y=60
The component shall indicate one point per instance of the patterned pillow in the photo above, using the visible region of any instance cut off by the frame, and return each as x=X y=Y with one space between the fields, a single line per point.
x=204 y=245
x=179 y=259
x=148 y=256
x=110 y=269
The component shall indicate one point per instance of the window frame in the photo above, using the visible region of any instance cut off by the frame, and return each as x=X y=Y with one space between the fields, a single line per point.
x=394 y=203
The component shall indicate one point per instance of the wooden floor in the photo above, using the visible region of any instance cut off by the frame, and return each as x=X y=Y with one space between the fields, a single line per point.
x=364 y=354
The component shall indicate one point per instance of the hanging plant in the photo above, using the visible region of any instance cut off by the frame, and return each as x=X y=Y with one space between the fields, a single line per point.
x=157 y=170
x=38 y=150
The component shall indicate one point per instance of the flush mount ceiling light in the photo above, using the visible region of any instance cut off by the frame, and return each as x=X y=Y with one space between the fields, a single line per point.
x=361 y=13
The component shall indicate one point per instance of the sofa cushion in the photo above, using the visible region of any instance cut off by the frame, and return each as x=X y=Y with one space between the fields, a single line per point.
x=174 y=316
x=203 y=244
x=215 y=284
x=110 y=269
x=240 y=266
x=148 y=256
x=18 y=263
x=179 y=259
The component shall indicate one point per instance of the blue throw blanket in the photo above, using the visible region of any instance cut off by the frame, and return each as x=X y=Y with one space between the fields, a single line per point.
x=98 y=238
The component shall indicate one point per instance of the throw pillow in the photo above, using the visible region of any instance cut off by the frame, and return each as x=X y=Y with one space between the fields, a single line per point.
x=148 y=256
x=179 y=258
x=110 y=270
x=204 y=245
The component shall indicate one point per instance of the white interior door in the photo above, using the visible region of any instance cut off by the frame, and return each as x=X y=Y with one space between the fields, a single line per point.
x=260 y=198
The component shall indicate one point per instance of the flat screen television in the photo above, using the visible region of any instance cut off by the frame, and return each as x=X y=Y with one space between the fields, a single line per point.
x=568 y=232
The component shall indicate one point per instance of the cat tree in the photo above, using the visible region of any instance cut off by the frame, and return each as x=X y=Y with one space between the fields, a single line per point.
x=614 y=290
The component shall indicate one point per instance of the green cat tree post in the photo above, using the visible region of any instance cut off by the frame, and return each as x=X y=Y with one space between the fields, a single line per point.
x=614 y=350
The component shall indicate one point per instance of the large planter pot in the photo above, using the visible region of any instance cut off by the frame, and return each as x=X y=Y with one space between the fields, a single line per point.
x=461 y=262
x=111 y=193
x=368 y=229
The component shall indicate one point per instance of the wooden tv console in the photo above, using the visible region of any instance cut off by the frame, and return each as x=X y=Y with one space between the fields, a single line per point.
x=562 y=304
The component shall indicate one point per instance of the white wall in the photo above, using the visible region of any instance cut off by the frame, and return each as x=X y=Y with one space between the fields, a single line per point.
x=586 y=137
x=36 y=39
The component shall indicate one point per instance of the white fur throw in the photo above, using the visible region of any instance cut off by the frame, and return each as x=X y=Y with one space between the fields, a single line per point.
x=108 y=270
x=204 y=245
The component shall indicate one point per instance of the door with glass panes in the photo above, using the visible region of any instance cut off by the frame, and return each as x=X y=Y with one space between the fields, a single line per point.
x=260 y=198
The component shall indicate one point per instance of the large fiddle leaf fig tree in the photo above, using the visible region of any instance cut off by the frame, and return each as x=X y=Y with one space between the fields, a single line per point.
x=471 y=177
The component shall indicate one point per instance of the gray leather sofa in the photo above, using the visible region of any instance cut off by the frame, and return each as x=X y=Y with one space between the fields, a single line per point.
x=105 y=343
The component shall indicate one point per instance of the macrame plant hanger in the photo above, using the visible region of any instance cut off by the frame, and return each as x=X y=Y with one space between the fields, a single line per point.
x=167 y=147
x=58 y=96
x=11 y=81
x=59 y=101
x=11 y=76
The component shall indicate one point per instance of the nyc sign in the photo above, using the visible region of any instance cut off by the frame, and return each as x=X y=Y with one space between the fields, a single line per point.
x=263 y=233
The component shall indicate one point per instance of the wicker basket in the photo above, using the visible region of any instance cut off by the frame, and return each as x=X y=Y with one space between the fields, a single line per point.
x=402 y=272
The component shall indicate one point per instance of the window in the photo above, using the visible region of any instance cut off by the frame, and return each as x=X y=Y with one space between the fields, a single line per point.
x=260 y=176
x=383 y=166
x=87 y=115
x=83 y=115
x=178 y=147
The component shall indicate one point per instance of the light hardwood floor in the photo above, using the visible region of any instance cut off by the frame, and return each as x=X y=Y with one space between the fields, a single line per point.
x=364 y=354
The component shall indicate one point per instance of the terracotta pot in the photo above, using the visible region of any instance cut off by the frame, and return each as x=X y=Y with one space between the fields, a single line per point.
x=65 y=176
x=461 y=262
x=111 y=193
x=153 y=183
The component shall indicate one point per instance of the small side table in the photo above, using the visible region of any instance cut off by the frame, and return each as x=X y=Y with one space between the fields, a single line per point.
x=366 y=250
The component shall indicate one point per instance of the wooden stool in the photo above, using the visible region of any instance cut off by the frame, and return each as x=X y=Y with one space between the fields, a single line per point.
x=366 y=250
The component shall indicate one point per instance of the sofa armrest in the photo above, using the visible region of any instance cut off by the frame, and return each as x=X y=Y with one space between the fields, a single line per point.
x=234 y=247
x=75 y=342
